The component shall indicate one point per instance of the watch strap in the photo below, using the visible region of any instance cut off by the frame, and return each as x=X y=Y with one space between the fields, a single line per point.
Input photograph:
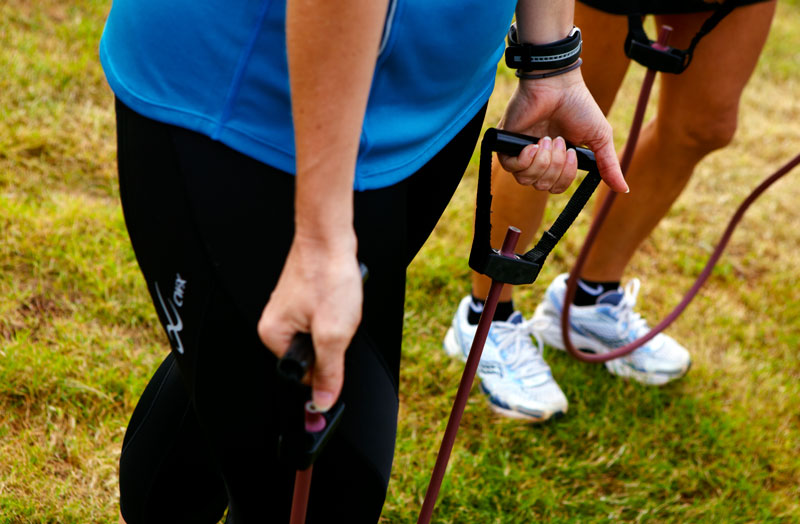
x=555 y=55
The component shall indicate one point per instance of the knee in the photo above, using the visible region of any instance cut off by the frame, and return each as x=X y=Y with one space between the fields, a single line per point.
x=701 y=133
x=711 y=135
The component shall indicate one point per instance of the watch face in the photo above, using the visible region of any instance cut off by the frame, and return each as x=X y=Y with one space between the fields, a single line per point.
x=512 y=34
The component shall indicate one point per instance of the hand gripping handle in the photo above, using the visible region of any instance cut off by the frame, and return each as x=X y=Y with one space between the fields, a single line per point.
x=512 y=144
x=297 y=446
x=299 y=358
x=522 y=269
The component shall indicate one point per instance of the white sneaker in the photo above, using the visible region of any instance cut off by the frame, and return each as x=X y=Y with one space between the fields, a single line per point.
x=513 y=373
x=610 y=324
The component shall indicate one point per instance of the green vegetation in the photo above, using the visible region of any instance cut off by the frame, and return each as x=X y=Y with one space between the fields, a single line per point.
x=79 y=338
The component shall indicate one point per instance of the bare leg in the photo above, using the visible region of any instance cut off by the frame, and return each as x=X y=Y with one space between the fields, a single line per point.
x=697 y=113
x=603 y=69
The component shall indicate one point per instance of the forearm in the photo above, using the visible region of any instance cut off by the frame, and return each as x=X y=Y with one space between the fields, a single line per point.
x=544 y=21
x=332 y=48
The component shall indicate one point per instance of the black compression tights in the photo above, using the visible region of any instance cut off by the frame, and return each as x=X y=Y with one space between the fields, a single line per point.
x=211 y=228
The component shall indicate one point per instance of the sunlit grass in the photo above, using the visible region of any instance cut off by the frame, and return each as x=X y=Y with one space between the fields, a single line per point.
x=79 y=338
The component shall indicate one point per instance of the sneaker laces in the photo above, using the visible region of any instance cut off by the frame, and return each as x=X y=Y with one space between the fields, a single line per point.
x=518 y=352
x=627 y=318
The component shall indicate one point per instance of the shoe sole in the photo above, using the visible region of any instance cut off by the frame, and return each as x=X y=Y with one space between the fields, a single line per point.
x=542 y=416
x=522 y=416
x=552 y=336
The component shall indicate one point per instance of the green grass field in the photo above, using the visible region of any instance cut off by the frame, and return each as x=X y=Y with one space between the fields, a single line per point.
x=79 y=338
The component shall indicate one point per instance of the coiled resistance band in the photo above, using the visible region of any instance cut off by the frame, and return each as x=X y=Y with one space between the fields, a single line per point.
x=572 y=281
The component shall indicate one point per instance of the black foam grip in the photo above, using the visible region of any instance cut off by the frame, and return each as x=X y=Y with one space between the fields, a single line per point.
x=512 y=144
x=298 y=359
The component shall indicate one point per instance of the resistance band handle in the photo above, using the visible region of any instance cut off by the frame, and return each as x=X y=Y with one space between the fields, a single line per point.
x=512 y=144
x=657 y=56
x=299 y=444
x=660 y=57
x=304 y=434
x=521 y=269
x=298 y=359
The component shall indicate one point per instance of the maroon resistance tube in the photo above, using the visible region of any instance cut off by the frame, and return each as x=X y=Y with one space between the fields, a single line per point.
x=572 y=281
x=471 y=367
x=625 y=162
x=715 y=256
x=314 y=423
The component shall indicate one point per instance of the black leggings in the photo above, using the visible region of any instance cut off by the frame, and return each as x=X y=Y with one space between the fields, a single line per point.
x=211 y=228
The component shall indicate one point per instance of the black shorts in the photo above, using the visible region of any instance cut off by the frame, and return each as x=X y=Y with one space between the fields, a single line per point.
x=658 y=7
x=211 y=228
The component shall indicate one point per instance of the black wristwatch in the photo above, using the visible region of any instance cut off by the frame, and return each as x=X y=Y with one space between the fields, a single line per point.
x=555 y=55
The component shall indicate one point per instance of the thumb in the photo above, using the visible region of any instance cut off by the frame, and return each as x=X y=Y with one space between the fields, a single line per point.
x=608 y=163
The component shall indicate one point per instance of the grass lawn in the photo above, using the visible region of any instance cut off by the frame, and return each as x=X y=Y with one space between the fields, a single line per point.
x=79 y=338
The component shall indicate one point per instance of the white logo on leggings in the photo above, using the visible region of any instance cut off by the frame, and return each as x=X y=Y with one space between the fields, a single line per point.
x=180 y=286
x=174 y=323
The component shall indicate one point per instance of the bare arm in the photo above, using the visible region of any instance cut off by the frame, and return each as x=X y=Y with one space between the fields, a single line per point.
x=544 y=21
x=332 y=48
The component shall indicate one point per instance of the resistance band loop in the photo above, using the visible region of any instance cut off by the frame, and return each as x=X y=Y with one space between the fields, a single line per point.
x=605 y=208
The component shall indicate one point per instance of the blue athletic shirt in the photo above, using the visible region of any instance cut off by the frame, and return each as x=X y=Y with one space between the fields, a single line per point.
x=219 y=67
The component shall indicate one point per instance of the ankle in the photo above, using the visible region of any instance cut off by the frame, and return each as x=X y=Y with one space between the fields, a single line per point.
x=476 y=305
x=589 y=291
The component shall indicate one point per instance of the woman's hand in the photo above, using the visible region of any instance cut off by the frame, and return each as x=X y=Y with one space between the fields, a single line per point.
x=319 y=292
x=559 y=106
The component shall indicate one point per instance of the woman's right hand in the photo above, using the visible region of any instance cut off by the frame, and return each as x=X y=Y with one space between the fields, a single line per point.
x=319 y=292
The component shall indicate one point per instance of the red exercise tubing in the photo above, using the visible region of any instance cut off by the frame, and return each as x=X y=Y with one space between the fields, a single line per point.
x=572 y=281
x=467 y=378
x=512 y=235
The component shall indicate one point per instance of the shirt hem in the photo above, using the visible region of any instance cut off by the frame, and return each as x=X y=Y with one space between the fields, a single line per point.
x=270 y=154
